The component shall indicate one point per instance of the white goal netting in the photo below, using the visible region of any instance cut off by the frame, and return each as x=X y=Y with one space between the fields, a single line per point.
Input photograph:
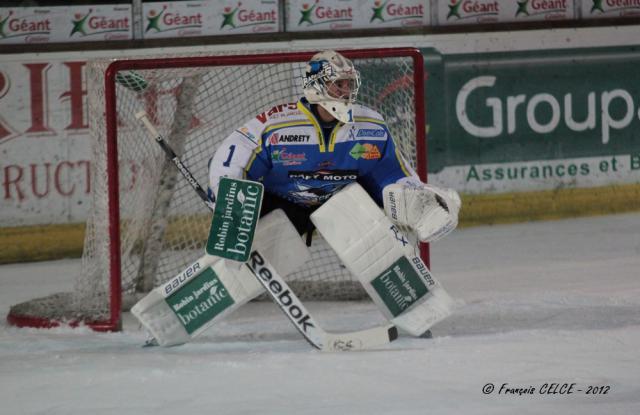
x=163 y=225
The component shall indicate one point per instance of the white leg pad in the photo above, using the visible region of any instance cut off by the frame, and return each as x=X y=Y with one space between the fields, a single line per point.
x=275 y=238
x=378 y=254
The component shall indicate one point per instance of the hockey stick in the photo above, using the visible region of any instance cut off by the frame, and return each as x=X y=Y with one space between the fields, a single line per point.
x=276 y=286
x=171 y=155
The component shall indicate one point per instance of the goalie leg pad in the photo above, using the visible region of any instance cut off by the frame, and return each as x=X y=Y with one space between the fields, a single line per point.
x=379 y=255
x=190 y=302
x=212 y=288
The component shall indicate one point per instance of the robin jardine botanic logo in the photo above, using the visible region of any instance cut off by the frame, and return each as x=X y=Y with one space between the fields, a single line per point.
x=166 y=20
x=238 y=17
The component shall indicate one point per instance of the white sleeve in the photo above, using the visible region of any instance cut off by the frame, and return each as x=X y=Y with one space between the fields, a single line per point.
x=234 y=154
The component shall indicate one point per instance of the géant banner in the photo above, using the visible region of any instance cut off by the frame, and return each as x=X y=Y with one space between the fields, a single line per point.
x=78 y=23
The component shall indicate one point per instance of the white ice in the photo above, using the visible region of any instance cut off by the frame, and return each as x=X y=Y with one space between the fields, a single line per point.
x=538 y=303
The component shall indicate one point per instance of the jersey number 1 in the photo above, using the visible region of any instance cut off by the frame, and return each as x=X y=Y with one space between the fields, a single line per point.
x=232 y=148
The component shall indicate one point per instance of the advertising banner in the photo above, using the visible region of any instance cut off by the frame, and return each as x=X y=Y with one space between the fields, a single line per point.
x=44 y=142
x=497 y=122
x=606 y=9
x=82 y=23
x=460 y=12
x=206 y=18
x=310 y=15
x=541 y=120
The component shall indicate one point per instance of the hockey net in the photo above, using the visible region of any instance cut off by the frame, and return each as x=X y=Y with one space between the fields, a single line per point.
x=146 y=223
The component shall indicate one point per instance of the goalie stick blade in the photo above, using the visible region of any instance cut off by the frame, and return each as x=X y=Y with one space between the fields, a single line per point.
x=360 y=340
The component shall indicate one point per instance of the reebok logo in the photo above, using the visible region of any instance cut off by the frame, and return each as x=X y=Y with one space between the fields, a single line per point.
x=286 y=301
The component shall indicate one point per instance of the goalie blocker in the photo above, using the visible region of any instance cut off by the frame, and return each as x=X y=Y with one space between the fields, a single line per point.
x=378 y=254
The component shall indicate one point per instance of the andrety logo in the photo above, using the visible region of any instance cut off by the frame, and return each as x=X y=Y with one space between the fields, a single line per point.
x=165 y=20
x=289 y=138
x=239 y=17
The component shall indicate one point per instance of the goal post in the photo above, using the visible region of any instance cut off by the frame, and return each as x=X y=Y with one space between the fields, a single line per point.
x=145 y=223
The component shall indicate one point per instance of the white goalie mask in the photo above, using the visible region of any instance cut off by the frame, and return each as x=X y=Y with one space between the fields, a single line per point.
x=332 y=82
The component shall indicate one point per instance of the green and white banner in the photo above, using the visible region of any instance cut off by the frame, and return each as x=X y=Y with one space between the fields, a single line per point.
x=401 y=285
x=234 y=222
x=534 y=120
x=199 y=300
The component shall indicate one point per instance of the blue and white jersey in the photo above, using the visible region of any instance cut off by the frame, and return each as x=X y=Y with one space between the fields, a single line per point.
x=286 y=150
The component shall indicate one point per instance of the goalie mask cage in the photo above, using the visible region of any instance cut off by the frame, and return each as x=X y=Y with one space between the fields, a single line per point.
x=146 y=223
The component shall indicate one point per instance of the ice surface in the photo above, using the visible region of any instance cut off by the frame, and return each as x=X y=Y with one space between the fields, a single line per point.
x=538 y=303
